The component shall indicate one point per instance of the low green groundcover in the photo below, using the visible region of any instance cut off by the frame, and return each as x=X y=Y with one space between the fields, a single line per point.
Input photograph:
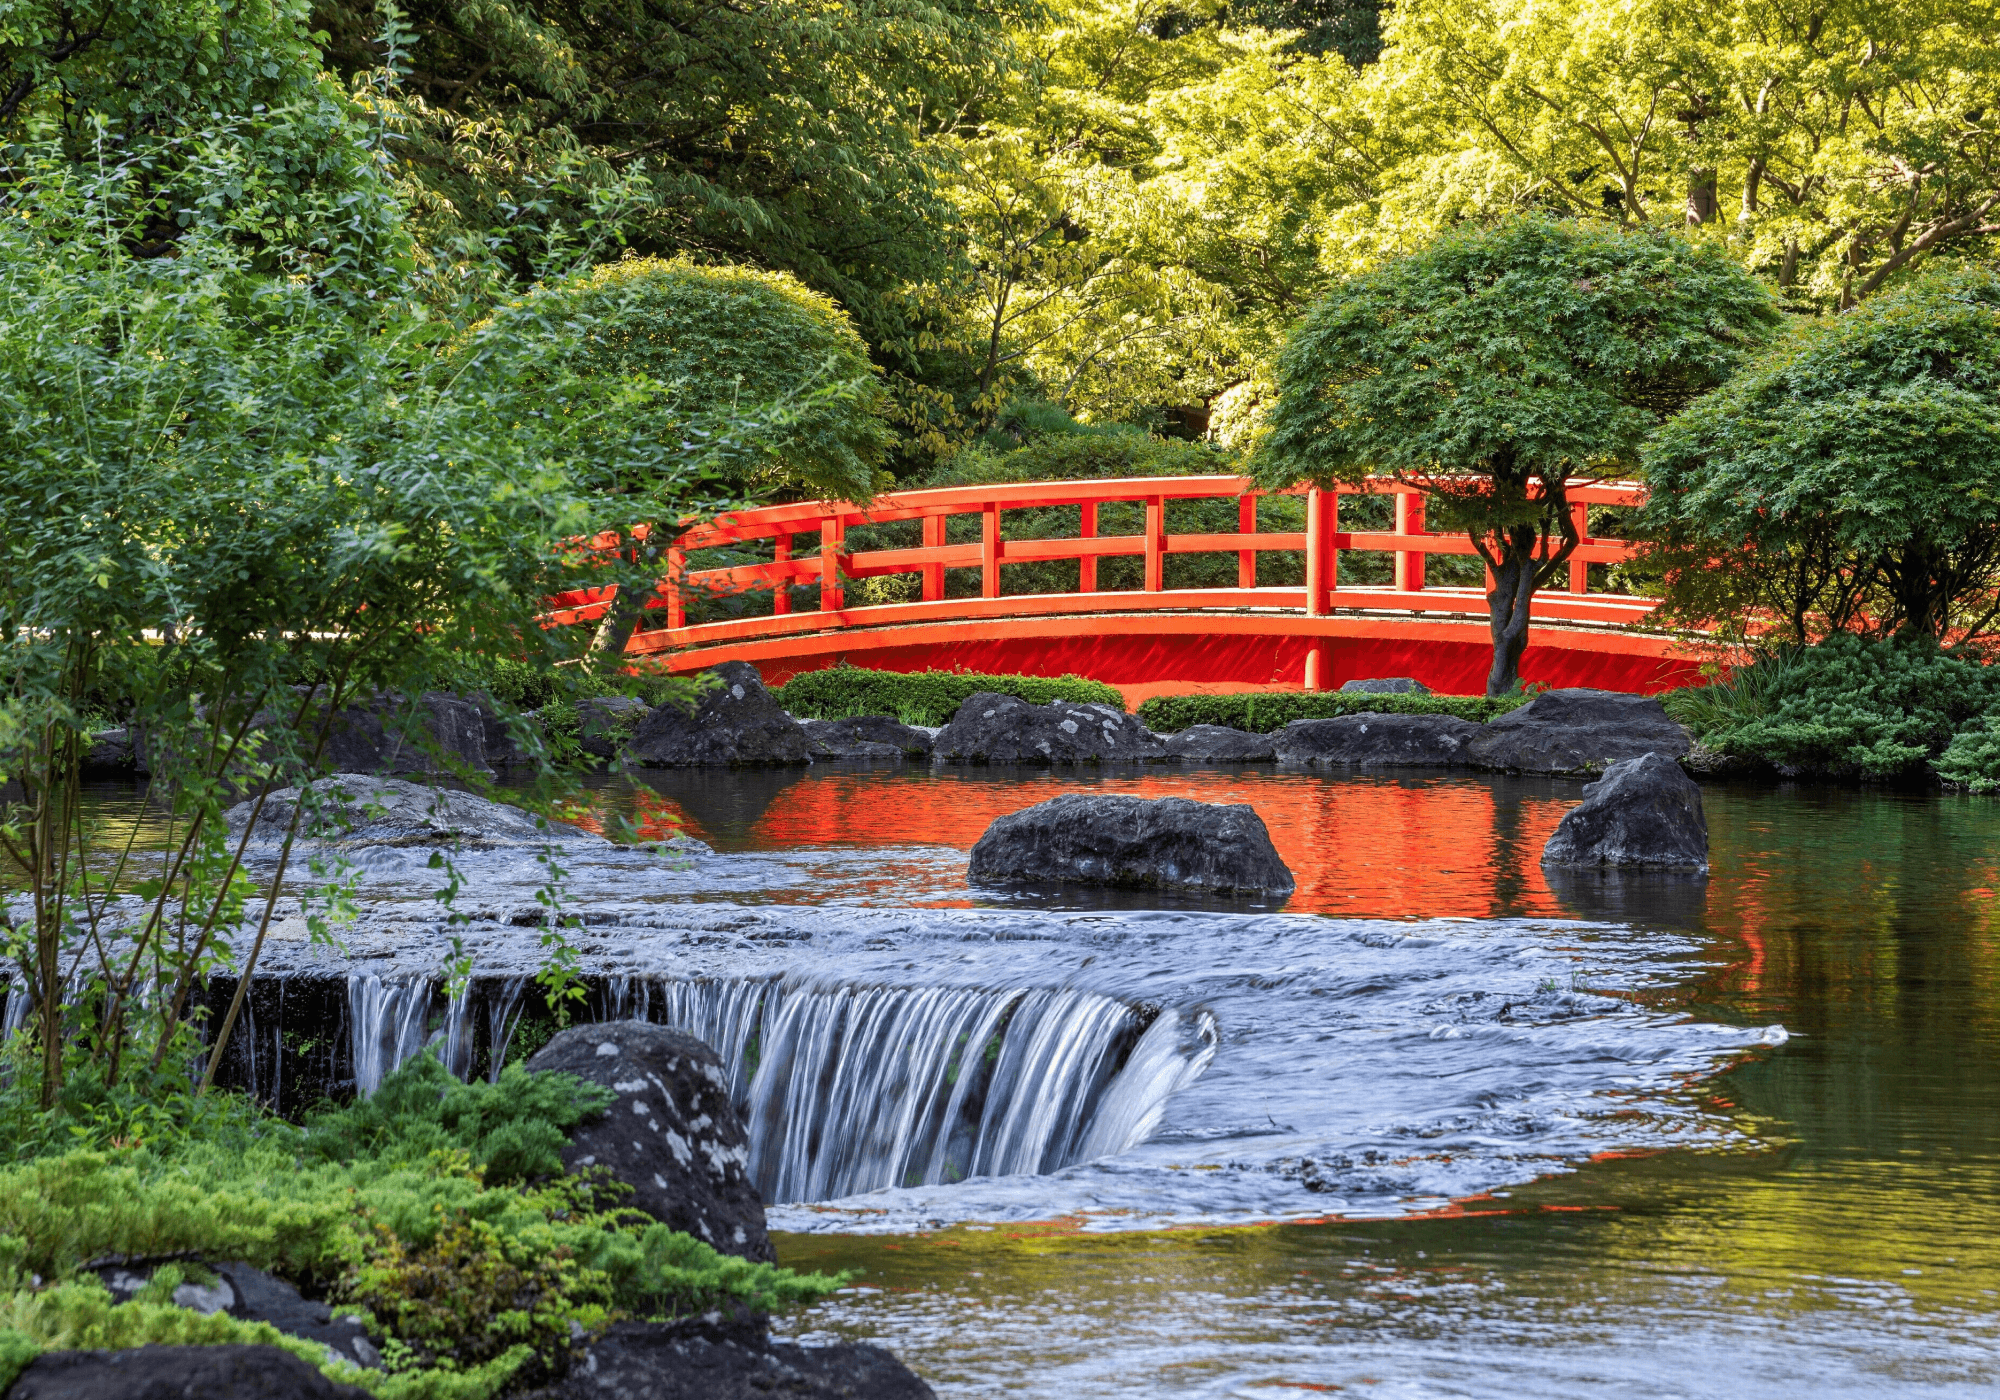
x=437 y=1209
x=1268 y=712
x=924 y=697
x=1856 y=707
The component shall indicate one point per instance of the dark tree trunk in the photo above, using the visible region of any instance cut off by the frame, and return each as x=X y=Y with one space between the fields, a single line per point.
x=1508 y=605
x=621 y=619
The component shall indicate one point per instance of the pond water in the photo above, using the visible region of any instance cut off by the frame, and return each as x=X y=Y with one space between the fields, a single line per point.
x=1828 y=1222
x=1434 y=1127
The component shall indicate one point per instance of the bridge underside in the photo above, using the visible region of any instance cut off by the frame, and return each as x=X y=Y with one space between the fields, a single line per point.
x=1166 y=654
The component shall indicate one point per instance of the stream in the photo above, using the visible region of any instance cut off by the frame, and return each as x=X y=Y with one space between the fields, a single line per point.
x=1434 y=1127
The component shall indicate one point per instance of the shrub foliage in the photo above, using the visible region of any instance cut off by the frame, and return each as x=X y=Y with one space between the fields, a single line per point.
x=1259 y=713
x=1849 y=707
x=925 y=697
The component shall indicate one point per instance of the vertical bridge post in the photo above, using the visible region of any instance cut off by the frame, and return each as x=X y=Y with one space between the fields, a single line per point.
x=1409 y=562
x=831 y=536
x=781 y=595
x=1246 y=524
x=1579 y=571
x=1322 y=576
x=933 y=574
x=1156 y=543
x=989 y=551
x=1086 y=567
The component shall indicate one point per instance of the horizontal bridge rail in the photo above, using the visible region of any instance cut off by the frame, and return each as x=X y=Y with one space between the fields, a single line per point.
x=833 y=562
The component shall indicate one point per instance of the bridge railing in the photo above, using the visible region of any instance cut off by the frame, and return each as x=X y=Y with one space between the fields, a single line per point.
x=1322 y=541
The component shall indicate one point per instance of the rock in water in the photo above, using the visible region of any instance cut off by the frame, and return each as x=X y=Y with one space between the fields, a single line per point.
x=604 y=722
x=1386 y=685
x=1643 y=812
x=177 y=1373
x=1577 y=731
x=1164 y=843
x=1378 y=741
x=737 y=724
x=697 y=1359
x=866 y=736
x=1216 y=743
x=991 y=728
x=371 y=737
x=672 y=1136
x=359 y=810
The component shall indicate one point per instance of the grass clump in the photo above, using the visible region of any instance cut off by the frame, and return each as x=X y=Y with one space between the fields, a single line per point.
x=925 y=697
x=1266 y=713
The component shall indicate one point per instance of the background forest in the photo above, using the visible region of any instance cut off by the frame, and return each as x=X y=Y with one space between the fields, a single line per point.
x=1116 y=207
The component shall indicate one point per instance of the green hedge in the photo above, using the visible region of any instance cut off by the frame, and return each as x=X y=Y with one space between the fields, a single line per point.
x=1267 y=713
x=924 y=697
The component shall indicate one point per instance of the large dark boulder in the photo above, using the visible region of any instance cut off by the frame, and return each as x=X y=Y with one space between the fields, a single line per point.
x=357 y=809
x=1643 y=812
x=737 y=725
x=177 y=1373
x=1134 y=842
x=383 y=735
x=111 y=751
x=672 y=1135
x=708 y=1360
x=1386 y=685
x=991 y=728
x=1378 y=741
x=866 y=736
x=1217 y=743
x=1577 y=731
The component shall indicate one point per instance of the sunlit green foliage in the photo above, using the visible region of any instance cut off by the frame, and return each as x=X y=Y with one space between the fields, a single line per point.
x=438 y=1207
x=1262 y=713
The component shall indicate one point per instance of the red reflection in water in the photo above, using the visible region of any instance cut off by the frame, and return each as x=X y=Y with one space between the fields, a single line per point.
x=1376 y=848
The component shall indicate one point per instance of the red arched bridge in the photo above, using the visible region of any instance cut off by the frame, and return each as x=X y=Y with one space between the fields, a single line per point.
x=1149 y=640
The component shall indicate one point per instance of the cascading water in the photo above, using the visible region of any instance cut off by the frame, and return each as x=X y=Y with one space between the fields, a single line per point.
x=386 y=1025
x=850 y=1089
x=19 y=1003
x=503 y=1014
x=847 y=1089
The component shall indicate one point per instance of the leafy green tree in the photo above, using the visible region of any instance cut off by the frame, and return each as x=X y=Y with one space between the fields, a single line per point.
x=223 y=485
x=726 y=344
x=1832 y=144
x=793 y=135
x=219 y=117
x=1850 y=476
x=1498 y=364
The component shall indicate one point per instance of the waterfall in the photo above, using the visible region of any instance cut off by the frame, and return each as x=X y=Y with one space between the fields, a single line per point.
x=503 y=1014
x=848 y=1089
x=20 y=1001
x=1172 y=1053
x=385 y=1025
x=457 y=1053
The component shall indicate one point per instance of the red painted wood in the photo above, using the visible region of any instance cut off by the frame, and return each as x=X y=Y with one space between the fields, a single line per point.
x=1316 y=636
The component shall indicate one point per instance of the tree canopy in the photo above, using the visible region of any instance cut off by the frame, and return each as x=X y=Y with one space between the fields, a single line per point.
x=1495 y=365
x=1852 y=473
